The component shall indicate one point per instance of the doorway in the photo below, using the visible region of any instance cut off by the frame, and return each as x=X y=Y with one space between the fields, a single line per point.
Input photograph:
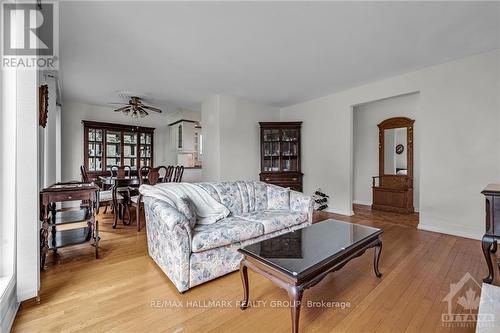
x=366 y=117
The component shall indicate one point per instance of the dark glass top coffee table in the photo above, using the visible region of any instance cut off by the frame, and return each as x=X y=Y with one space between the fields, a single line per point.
x=300 y=259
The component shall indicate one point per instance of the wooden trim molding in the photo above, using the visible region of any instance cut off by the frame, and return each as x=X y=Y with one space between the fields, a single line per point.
x=281 y=124
x=117 y=127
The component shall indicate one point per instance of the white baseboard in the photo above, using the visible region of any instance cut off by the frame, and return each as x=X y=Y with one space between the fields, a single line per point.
x=361 y=202
x=450 y=231
x=369 y=203
x=9 y=306
x=340 y=212
x=27 y=295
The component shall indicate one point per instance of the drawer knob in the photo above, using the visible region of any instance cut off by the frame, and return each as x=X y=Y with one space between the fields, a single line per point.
x=267 y=179
x=70 y=197
x=295 y=179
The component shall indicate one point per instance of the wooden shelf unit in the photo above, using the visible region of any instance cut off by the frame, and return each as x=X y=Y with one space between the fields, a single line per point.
x=50 y=237
x=280 y=154
x=106 y=144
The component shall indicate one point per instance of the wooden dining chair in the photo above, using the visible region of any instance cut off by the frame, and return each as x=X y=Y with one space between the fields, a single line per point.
x=121 y=172
x=85 y=176
x=179 y=171
x=128 y=170
x=119 y=191
x=170 y=173
x=113 y=170
x=136 y=201
x=162 y=171
x=144 y=171
x=105 y=197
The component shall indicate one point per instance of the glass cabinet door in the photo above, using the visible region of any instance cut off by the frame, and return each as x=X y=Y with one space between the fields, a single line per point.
x=130 y=150
x=94 y=149
x=145 y=148
x=272 y=149
x=105 y=145
x=290 y=147
x=113 y=144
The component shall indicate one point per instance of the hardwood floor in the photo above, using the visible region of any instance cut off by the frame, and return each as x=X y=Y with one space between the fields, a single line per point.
x=125 y=291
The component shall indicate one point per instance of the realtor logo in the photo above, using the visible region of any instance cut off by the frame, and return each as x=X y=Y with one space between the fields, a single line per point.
x=29 y=39
x=463 y=304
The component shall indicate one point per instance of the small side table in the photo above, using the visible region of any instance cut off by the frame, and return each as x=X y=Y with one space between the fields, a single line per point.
x=492 y=235
x=88 y=193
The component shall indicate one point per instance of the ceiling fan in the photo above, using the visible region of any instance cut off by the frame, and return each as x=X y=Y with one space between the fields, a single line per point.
x=136 y=108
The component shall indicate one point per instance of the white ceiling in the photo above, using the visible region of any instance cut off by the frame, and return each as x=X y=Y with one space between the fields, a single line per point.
x=276 y=53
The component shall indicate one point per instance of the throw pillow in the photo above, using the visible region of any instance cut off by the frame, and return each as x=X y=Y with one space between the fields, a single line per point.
x=278 y=198
x=186 y=207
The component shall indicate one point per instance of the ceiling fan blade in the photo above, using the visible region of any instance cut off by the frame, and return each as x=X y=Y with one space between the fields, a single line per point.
x=143 y=112
x=122 y=108
x=151 y=108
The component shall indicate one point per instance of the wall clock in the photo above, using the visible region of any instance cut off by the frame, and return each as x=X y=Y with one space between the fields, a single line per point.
x=400 y=149
x=43 y=105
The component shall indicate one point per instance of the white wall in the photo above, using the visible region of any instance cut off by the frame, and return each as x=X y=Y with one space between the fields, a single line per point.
x=27 y=186
x=231 y=137
x=458 y=124
x=211 y=138
x=8 y=278
x=460 y=112
x=72 y=115
x=48 y=146
x=366 y=117
x=172 y=156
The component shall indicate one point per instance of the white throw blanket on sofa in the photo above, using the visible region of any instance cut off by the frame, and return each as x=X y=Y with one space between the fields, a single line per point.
x=208 y=210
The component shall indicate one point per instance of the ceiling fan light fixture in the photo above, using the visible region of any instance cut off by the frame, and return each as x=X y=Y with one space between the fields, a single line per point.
x=136 y=107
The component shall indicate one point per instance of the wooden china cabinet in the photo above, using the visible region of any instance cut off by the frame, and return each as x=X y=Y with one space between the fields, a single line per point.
x=106 y=144
x=280 y=154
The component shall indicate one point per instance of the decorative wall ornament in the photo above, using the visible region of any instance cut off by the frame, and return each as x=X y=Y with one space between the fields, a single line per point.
x=400 y=149
x=43 y=105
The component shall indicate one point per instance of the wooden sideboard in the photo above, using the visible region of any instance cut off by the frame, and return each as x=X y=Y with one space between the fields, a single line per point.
x=492 y=234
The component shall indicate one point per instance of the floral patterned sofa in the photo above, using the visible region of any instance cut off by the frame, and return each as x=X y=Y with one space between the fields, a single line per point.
x=191 y=256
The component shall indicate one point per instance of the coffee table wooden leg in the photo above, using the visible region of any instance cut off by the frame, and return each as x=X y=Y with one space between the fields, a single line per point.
x=376 y=258
x=295 y=294
x=244 y=280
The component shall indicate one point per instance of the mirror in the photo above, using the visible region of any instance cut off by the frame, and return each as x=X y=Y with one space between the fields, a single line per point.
x=396 y=148
x=395 y=151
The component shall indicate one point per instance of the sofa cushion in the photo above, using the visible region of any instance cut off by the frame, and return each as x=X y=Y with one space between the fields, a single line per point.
x=210 y=188
x=186 y=207
x=245 y=196
x=278 y=198
x=274 y=220
x=260 y=196
x=224 y=232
